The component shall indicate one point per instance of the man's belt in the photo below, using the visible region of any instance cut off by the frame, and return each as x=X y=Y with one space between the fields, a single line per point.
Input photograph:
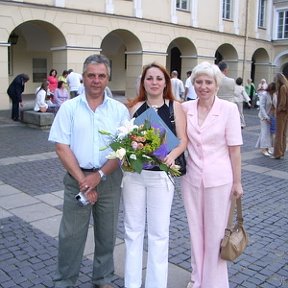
x=89 y=170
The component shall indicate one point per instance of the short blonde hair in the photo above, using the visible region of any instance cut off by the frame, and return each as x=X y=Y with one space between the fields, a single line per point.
x=206 y=68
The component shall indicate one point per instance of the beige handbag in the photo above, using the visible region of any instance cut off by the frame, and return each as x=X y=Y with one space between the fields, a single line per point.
x=235 y=239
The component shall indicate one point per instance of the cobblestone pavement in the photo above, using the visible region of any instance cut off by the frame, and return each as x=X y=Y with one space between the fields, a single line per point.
x=31 y=202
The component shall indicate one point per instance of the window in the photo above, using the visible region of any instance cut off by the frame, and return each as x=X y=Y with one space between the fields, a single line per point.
x=262 y=13
x=282 y=28
x=182 y=4
x=227 y=9
x=39 y=69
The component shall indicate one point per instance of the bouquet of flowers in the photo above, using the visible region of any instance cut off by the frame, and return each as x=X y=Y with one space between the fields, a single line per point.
x=141 y=147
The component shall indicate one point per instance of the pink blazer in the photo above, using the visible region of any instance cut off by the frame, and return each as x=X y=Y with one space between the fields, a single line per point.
x=208 y=159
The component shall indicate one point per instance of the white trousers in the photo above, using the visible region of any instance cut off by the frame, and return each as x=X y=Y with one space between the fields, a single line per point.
x=207 y=212
x=150 y=192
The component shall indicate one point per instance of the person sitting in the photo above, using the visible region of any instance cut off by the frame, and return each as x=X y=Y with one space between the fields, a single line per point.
x=61 y=94
x=40 y=102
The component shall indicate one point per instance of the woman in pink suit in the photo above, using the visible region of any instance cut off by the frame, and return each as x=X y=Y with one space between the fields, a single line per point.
x=213 y=174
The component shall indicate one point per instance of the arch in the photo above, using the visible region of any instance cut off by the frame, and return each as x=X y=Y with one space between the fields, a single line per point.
x=260 y=65
x=124 y=50
x=35 y=45
x=181 y=56
x=281 y=61
x=228 y=53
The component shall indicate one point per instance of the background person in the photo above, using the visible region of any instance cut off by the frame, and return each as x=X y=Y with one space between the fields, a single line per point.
x=240 y=96
x=78 y=145
x=250 y=90
x=74 y=82
x=261 y=88
x=177 y=86
x=61 y=94
x=41 y=104
x=281 y=116
x=151 y=192
x=227 y=85
x=214 y=139
x=14 y=91
x=63 y=77
x=264 y=141
x=272 y=116
x=190 y=93
x=52 y=82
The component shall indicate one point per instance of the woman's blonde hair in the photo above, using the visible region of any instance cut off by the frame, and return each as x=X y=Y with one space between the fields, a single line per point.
x=206 y=68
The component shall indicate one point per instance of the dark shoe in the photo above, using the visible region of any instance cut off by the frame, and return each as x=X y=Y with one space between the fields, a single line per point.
x=273 y=157
x=103 y=286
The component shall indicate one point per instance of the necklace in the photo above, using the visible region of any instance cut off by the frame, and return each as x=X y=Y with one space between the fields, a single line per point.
x=155 y=107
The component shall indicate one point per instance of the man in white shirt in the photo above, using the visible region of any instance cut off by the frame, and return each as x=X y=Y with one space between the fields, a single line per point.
x=79 y=145
x=190 y=93
x=177 y=86
x=74 y=82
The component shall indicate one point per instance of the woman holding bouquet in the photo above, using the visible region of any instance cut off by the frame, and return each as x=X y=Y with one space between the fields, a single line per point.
x=152 y=190
x=213 y=175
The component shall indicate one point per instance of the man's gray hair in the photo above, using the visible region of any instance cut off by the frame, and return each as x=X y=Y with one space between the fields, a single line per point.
x=97 y=59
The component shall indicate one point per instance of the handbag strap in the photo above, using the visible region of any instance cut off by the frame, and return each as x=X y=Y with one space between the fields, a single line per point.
x=238 y=203
x=171 y=116
x=171 y=110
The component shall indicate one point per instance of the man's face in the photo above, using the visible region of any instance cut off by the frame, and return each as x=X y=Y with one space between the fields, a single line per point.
x=95 y=79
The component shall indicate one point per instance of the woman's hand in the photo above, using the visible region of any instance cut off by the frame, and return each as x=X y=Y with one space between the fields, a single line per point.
x=237 y=190
x=169 y=160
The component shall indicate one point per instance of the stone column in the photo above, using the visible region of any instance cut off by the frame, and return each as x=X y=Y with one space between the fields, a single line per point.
x=4 y=78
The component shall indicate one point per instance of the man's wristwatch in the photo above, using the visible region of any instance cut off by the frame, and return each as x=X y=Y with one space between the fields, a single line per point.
x=102 y=175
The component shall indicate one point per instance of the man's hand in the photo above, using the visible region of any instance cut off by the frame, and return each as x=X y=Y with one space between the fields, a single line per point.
x=91 y=195
x=89 y=182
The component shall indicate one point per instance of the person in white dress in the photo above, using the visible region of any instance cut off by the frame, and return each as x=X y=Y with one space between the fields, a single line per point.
x=264 y=141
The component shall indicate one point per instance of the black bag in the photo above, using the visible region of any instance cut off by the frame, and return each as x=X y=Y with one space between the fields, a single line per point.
x=180 y=160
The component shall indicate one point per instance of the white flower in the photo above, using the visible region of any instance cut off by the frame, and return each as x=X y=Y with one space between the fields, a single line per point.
x=126 y=128
x=133 y=157
x=146 y=156
x=120 y=153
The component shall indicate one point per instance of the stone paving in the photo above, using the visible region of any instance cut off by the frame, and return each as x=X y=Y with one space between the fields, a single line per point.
x=31 y=203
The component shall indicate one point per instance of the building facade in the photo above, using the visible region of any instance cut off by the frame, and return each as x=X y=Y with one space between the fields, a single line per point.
x=250 y=35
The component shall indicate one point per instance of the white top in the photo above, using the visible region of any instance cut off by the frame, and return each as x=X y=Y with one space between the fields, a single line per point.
x=191 y=90
x=240 y=94
x=74 y=81
x=177 y=88
x=40 y=100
